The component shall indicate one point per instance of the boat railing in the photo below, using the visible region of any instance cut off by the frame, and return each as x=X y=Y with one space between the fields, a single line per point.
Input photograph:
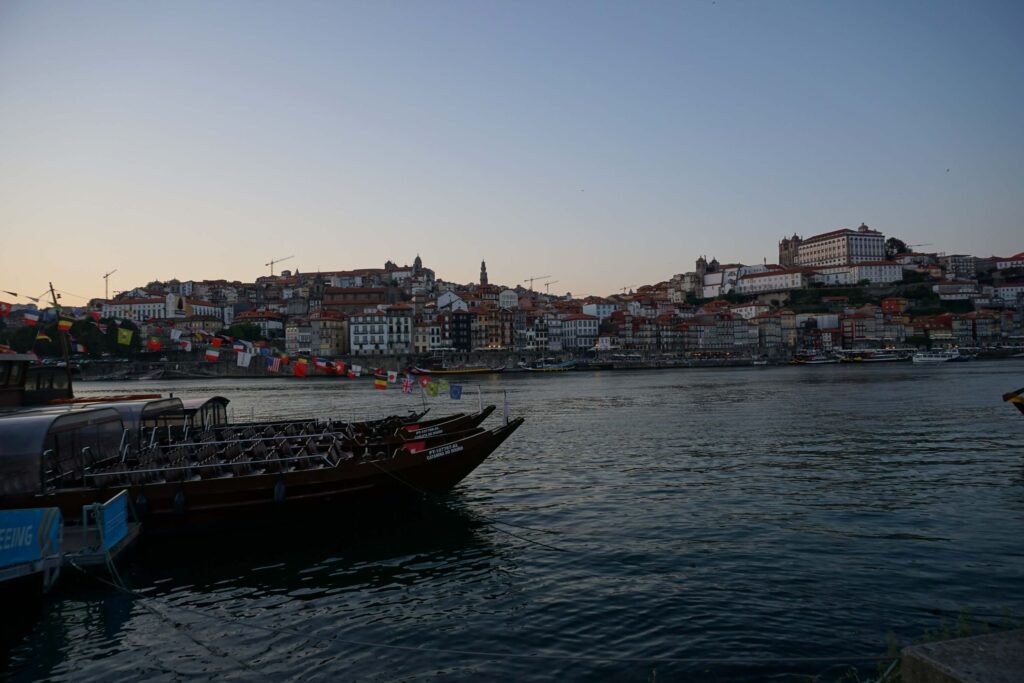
x=186 y=468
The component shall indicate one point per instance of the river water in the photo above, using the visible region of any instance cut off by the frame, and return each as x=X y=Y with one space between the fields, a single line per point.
x=721 y=524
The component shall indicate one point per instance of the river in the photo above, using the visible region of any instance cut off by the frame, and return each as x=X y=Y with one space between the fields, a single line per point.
x=719 y=524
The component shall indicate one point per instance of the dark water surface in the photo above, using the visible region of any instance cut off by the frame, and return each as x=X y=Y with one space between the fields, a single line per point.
x=683 y=524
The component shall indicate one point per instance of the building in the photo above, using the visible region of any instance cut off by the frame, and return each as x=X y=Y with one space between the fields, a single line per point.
x=773 y=281
x=368 y=333
x=959 y=266
x=1015 y=261
x=298 y=336
x=579 y=332
x=271 y=324
x=329 y=333
x=841 y=247
x=789 y=247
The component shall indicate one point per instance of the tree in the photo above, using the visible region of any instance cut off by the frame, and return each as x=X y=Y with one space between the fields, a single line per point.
x=895 y=245
x=244 y=331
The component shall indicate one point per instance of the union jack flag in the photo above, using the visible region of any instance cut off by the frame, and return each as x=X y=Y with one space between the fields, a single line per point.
x=407 y=384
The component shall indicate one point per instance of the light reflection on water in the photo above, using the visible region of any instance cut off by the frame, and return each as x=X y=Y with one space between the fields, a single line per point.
x=752 y=513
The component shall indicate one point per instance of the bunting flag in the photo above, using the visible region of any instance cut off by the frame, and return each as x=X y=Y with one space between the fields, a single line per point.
x=95 y=315
x=424 y=381
x=124 y=336
x=380 y=381
x=31 y=319
x=273 y=364
x=339 y=367
x=407 y=384
x=5 y=309
x=442 y=386
x=265 y=351
x=238 y=347
x=175 y=335
x=41 y=335
x=357 y=370
x=299 y=369
x=217 y=341
x=351 y=375
x=244 y=359
x=285 y=359
x=78 y=348
x=455 y=392
x=392 y=376
x=64 y=324
x=302 y=361
x=212 y=354
x=432 y=389
x=321 y=363
x=185 y=345
x=153 y=344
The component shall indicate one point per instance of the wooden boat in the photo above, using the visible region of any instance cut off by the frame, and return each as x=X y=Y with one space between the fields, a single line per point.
x=183 y=464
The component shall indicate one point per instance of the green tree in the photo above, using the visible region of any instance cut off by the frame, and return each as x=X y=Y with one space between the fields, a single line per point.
x=895 y=245
x=244 y=331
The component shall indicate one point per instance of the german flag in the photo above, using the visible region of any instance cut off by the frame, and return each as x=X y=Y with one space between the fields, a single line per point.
x=1016 y=398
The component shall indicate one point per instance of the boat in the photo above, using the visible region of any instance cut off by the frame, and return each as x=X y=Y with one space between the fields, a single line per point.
x=183 y=464
x=871 y=356
x=1016 y=398
x=932 y=357
x=551 y=365
x=458 y=370
x=814 y=359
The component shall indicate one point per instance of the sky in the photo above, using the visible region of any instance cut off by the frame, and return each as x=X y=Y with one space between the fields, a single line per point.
x=600 y=144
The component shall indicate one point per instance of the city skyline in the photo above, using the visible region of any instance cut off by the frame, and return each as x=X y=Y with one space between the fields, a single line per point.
x=606 y=146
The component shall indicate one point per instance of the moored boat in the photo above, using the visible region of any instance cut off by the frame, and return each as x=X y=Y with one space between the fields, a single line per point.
x=932 y=357
x=458 y=370
x=1016 y=398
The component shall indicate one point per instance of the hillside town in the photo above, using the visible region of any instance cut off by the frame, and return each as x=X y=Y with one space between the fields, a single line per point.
x=843 y=289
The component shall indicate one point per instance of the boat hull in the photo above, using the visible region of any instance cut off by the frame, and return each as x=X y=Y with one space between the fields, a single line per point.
x=227 y=499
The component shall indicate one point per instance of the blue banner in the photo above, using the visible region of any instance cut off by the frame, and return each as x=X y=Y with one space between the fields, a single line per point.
x=455 y=391
x=28 y=535
x=115 y=520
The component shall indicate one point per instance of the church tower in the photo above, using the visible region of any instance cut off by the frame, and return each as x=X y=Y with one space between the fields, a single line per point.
x=483 y=272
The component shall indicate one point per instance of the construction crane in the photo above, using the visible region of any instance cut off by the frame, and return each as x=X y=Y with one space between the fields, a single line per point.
x=923 y=244
x=276 y=260
x=625 y=287
x=547 y=285
x=106 y=283
x=535 y=277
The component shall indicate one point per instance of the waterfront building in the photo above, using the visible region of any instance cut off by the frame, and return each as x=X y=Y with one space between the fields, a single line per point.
x=579 y=332
x=368 y=333
x=462 y=323
x=329 y=335
x=352 y=300
x=271 y=323
x=1009 y=292
x=298 y=336
x=400 y=320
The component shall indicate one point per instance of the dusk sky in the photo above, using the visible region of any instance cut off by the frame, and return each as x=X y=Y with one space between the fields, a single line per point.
x=603 y=144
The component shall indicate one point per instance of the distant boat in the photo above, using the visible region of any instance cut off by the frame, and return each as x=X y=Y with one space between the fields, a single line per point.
x=815 y=359
x=458 y=370
x=872 y=357
x=932 y=357
x=547 y=365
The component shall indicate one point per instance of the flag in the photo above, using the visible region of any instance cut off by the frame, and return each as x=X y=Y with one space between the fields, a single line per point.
x=217 y=341
x=5 y=309
x=351 y=375
x=424 y=381
x=357 y=370
x=212 y=354
x=175 y=335
x=432 y=389
x=392 y=376
x=42 y=335
x=407 y=385
x=321 y=363
x=455 y=392
x=285 y=360
x=442 y=386
x=31 y=318
x=274 y=364
x=339 y=367
x=64 y=324
x=95 y=316
x=153 y=344
x=124 y=336
x=380 y=381
x=265 y=351
x=243 y=359
x=78 y=348
x=299 y=369
x=185 y=345
x=102 y=328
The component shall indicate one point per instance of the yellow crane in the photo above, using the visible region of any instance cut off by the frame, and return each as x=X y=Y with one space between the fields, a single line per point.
x=106 y=283
x=535 y=277
x=276 y=260
x=547 y=285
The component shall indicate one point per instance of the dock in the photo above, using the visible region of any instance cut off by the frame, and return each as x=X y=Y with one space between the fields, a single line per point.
x=989 y=658
x=34 y=541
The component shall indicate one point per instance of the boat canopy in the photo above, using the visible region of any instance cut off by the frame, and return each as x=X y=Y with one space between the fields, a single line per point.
x=206 y=411
x=24 y=438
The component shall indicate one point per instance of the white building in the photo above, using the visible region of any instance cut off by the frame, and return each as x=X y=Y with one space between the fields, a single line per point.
x=600 y=310
x=368 y=333
x=1015 y=261
x=1009 y=292
x=507 y=298
x=579 y=332
x=773 y=281
x=842 y=246
x=882 y=272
